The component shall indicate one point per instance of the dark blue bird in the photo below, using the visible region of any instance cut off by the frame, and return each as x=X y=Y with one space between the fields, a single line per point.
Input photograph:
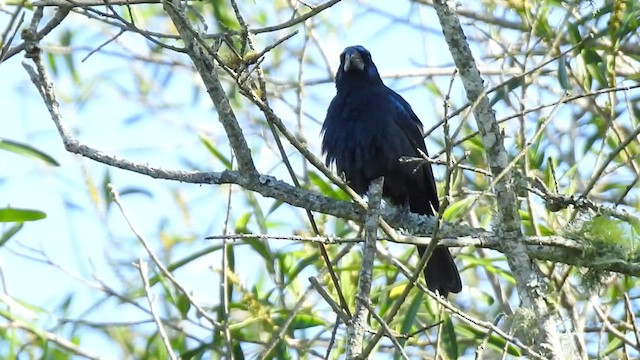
x=368 y=129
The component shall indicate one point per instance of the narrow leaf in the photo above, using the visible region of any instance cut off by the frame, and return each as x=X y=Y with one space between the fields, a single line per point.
x=449 y=341
x=16 y=215
x=28 y=151
x=214 y=150
x=8 y=234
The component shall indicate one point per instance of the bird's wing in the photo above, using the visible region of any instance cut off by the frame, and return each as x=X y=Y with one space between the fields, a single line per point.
x=408 y=121
x=411 y=127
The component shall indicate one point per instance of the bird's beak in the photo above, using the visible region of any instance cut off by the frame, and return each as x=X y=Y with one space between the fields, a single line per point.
x=352 y=61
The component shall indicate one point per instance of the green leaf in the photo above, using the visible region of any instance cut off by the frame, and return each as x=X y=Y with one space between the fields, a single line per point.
x=458 y=209
x=52 y=64
x=409 y=319
x=348 y=275
x=575 y=37
x=594 y=65
x=326 y=188
x=135 y=190
x=106 y=193
x=238 y=353
x=503 y=92
x=397 y=290
x=65 y=40
x=449 y=341
x=260 y=247
x=301 y=265
x=301 y=320
x=614 y=344
x=412 y=312
x=231 y=262
x=224 y=15
x=197 y=352
x=481 y=297
x=258 y=214
x=27 y=150
x=495 y=341
x=183 y=304
x=500 y=94
x=549 y=176
x=8 y=234
x=276 y=204
x=242 y=223
x=487 y=264
x=563 y=78
x=17 y=215
x=214 y=151
x=583 y=74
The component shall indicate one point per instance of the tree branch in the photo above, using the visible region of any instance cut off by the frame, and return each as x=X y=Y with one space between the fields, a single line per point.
x=356 y=328
x=57 y=18
x=207 y=68
x=557 y=249
x=529 y=281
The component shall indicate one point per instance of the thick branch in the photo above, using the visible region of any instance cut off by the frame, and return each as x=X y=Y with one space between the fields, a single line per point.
x=208 y=71
x=557 y=249
x=529 y=281
x=356 y=327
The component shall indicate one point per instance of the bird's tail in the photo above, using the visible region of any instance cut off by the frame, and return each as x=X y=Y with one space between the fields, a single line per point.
x=441 y=272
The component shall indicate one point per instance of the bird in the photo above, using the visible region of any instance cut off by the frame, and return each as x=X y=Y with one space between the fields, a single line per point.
x=368 y=129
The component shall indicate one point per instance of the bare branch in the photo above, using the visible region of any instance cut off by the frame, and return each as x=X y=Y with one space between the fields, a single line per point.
x=356 y=327
x=385 y=327
x=163 y=269
x=325 y=295
x=143 y=269
x=529 y=281
x=36 y=36
x=557 y=249
x=207 y=68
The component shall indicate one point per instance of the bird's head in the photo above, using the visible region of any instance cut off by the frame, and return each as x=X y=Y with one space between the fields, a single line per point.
x=356 y=66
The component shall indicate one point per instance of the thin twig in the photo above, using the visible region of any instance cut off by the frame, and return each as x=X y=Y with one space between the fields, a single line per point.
x=385 y=327
x=224 y=281
x=143 y=269
x=166 y=273
x=632 y=316
x=113 y=38
x=553 y=248
x=279 y=335
x=325 y=295
x=287 y=24
x=57 y=18
x=5 y=39
x=611 y=330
